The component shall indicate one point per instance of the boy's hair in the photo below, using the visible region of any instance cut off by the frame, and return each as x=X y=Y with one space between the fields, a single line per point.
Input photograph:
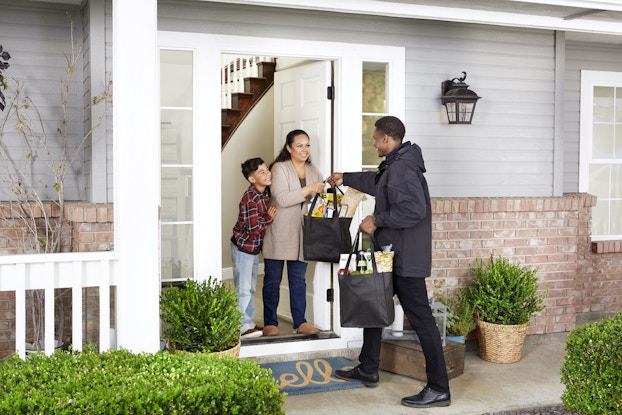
x=250 y=166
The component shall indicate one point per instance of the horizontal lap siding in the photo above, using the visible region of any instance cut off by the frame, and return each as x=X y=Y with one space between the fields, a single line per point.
x=581 y=56
x=36 y=35
x=508 y=150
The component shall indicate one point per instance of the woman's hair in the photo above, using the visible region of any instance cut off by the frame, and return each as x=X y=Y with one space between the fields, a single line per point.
x=285 y=155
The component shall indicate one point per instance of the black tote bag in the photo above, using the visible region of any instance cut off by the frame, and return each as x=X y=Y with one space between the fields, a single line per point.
x=366 y=300
x=325 y=239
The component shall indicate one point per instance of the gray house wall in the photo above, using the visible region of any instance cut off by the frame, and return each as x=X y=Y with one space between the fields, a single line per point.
x=36 y=35
x=508 y=151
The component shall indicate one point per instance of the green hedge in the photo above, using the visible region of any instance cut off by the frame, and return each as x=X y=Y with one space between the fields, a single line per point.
x=592 y=368
x=120 y=382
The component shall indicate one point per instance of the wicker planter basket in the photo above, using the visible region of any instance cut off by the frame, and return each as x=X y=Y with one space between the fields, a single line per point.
x=233 y=352
x=500 y=343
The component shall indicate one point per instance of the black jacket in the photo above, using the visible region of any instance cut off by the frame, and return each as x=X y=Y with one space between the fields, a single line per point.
x=403 y=212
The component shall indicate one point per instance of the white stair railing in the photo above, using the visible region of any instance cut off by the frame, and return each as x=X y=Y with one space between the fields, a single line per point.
x=235 y=68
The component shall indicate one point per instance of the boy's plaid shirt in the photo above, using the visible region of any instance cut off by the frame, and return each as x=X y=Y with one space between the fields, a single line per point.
x=253 y=219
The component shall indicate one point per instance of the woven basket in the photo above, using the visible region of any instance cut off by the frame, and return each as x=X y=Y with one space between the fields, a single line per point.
x=233 y=352
x=499 y=343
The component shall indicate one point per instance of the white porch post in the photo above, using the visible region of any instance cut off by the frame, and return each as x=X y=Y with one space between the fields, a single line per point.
x=136 y=172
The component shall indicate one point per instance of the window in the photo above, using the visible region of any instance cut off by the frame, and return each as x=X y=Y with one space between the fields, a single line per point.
x=374 y=107
x=601 y=150
x=176 y=155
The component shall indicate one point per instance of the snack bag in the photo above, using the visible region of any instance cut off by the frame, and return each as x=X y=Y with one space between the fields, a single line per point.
x=384 y=261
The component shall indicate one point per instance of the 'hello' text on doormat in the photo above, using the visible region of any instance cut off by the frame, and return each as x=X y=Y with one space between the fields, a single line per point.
x=310 y=376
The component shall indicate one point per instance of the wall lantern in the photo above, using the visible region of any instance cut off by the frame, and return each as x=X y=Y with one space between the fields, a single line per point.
x=458 y=100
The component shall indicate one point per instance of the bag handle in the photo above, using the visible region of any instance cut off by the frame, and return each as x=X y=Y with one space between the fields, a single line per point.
x=374 y=267
x=333 y=190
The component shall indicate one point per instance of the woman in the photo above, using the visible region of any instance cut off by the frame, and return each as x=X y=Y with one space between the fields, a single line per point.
x=294 y=182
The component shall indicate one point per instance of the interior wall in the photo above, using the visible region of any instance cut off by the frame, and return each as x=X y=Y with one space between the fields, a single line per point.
x=254 y=138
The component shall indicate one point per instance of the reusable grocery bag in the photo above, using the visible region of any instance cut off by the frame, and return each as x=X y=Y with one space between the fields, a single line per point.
x=325 y=238
x=366 y=299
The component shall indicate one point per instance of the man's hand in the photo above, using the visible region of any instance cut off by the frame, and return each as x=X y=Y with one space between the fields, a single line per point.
x=335 y=179
x=368 y=226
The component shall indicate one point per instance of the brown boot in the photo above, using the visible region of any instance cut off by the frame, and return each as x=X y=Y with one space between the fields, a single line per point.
x=270 y=331
x=306 y=328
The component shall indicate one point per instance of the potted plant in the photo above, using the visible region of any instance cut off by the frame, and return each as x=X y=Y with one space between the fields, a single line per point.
x=505 y=296
x=201 y=316
x=460 y=314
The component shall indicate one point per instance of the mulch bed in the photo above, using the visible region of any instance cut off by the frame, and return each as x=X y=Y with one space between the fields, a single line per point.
x=545 y=410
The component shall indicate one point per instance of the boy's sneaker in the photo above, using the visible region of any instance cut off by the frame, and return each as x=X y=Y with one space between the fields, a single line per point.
x=252 y=333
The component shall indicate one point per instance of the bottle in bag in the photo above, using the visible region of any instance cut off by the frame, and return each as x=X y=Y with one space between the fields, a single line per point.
x=361 y=263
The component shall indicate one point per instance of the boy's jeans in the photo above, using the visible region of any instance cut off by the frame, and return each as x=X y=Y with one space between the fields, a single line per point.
x=245 y=279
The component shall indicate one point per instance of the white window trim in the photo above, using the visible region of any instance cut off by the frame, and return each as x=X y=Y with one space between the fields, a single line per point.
x=590 y=79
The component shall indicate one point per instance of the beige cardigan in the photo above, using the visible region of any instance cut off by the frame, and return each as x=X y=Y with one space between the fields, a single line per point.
x=283 y=239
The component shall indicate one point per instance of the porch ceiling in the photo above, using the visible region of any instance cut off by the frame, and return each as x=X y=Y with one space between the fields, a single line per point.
x=583 y=20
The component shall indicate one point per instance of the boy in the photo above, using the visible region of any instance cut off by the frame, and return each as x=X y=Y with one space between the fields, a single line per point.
x=253 y=218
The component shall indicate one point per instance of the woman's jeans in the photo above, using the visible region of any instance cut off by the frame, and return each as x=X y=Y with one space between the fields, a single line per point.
x=245 y=279
x=273 y=273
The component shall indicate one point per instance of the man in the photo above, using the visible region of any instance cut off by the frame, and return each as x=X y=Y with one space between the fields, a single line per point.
x=402 y=217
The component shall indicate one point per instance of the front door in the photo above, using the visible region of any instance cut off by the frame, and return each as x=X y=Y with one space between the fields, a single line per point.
x=300 y=102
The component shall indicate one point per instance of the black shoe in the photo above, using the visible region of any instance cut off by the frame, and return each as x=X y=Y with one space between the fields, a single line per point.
x=427 y=398
x=356 y=374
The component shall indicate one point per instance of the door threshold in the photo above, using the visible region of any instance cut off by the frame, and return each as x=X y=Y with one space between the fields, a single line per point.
x=289 y=338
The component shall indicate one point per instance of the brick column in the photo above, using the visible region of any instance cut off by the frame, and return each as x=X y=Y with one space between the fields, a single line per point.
x=93 y=226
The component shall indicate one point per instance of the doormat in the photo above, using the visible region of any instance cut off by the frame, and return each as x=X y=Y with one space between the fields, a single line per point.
x=299 y=377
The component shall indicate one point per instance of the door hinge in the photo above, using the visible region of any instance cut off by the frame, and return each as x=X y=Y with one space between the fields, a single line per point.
x=330 y=295
x=330 y=93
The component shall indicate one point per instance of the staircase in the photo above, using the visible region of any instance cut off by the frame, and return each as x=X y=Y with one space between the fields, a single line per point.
x=244 y=80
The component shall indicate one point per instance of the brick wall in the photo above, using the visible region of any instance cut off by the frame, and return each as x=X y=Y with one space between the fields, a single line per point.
x=549 y=233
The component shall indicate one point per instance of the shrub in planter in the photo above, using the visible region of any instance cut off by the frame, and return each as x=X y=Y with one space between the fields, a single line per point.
x=592 y=368
x=119 y=382
x=505 y=293
x=505 y=296
x=201 y=316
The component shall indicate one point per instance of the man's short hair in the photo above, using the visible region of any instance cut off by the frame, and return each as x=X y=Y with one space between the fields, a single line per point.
x=391 y=126
x=250 y=166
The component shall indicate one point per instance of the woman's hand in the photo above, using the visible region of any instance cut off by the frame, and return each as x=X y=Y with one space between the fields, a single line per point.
x=313 y=188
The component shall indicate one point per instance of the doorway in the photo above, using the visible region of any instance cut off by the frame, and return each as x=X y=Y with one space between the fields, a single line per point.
x=296 y=100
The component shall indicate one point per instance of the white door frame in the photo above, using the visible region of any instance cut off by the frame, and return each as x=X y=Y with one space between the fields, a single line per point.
x=348 y=60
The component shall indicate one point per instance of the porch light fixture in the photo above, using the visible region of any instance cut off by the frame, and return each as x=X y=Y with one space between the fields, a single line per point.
x=458 y=100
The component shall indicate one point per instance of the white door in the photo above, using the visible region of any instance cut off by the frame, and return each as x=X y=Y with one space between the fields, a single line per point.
x=300 y=102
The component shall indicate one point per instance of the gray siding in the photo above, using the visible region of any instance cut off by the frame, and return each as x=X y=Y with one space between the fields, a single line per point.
x=508 y=151
x=36 y=35
x=581 y=56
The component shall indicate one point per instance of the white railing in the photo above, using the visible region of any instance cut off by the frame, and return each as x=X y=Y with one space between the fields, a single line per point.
x=47 y=272
x=233 y=71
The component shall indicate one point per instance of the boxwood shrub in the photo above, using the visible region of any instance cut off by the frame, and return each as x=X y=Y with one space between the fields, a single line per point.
x=121 y=382
x=592 y=368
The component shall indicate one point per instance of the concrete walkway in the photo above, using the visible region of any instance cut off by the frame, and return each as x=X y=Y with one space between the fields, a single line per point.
x=483 y=387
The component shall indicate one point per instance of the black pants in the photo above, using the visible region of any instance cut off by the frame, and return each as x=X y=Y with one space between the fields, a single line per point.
x=413 y=296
